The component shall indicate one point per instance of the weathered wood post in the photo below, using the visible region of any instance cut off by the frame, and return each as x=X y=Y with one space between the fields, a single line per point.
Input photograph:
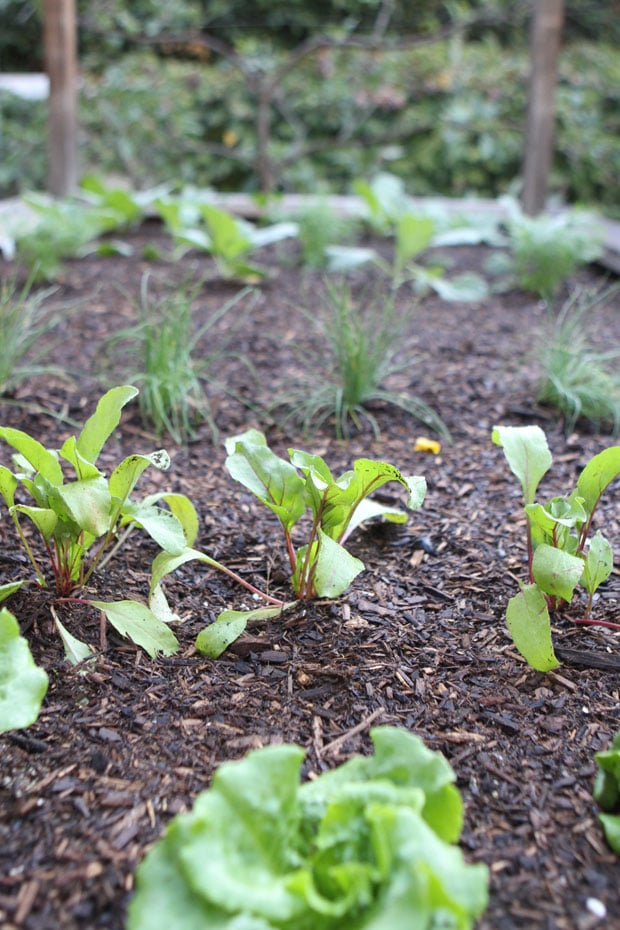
x=60 y=50
x=546 y=30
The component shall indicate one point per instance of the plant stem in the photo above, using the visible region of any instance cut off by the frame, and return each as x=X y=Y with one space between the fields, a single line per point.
x=590 y=621
x=246 y=584
x=29 y=552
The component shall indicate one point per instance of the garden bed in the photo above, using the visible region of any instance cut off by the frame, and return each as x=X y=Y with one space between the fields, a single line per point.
x=420 y=640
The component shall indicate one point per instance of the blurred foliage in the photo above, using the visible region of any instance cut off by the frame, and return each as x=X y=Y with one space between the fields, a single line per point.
x=447 y=117
x=108 y=28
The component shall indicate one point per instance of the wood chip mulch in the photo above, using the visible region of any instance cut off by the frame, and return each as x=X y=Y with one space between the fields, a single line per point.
x=420 y=641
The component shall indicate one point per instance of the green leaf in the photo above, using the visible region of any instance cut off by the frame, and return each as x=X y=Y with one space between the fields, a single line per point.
x=23 y=684
x=348 y=849
x=467 y=286
x=275 y=482
x=403 y=758
x=9 y=588
x=527 y=454
x=75 y=650
x=268 y=235
x=530 y=627
x=598 y=564
x=125 y=476
x=556 y=572
x=598 y=474
x=339 y=500
x=44 y=519
x=341 y=258
x=611 y=826
x=413 y=235
x=8 y=485
x=88 y=503
x=100 y=426
x=229 y=239
x=606 y=790
x=41 y=459
x=370 y=509
x=217 y=637
x=161 y=525
x=241 y=861
x=166 y=562
x=158 y=604
x=185 y=512
x=83 y=468
x=135 y=620
x=335 y=568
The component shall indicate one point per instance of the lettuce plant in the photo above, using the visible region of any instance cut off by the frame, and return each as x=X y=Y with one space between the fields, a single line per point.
x=83 y=520
x=23 y=684
x=562 y=552
x=321 y=566
x=607 y=791
x=367 y=846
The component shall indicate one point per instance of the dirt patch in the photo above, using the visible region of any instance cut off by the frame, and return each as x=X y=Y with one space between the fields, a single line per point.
x=420 y=641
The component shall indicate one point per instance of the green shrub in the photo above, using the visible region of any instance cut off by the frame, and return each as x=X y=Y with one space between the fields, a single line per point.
x=446 y=117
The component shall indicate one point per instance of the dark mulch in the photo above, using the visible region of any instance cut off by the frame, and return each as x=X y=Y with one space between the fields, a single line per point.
x=420 y=640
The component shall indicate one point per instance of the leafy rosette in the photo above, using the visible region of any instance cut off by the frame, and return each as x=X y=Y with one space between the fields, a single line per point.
x=367 y=846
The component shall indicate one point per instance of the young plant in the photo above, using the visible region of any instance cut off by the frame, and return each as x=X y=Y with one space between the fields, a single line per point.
x=173 y=368
x=23 y=684
x=545 y=250
x=607 y=791
x=577 y=378
x=562 y=552
x=348 y=368
x=228 y=239
x=119 y=207
x=389 y=211
x=82 y=521
x=64 y=228
x=24 y=335
x=368 y=845
x=320 y=228
x=321 y=566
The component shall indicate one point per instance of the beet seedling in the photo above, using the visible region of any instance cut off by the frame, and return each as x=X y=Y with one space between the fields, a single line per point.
x=321 y=566
x=562 y=552
x=83 y=521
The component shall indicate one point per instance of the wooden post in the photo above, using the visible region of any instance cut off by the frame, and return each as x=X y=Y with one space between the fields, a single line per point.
x=60 y=49
x=545 y=37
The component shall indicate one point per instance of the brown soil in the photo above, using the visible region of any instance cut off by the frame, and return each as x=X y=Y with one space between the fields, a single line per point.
x=420 y=640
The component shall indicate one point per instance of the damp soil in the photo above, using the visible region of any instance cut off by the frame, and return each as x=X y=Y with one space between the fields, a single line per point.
x=419 y=641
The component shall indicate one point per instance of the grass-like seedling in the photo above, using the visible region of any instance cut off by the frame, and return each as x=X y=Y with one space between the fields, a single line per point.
x=577 y=377
x=175 y=361
x=346 y=367
x=25 y=330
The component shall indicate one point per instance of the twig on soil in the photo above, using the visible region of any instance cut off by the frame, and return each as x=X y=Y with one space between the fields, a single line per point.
x=358 y=728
